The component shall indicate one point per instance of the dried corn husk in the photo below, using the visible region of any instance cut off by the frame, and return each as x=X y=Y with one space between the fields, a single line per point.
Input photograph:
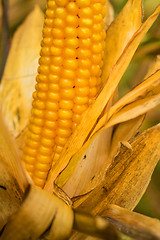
x=82 y=135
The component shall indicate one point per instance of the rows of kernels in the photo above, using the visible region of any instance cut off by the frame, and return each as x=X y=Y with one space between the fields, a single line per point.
x=68 y=79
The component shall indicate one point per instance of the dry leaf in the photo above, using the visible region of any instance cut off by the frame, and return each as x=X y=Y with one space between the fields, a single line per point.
x=93 y=160
x=109 y=15
x=19 y=76
x=133 y=224
x=128 y=177
x=10 y=194
x=123 y=132
x=120 y=32
x=154 y=67
x=9 y=155
x=140 y=100
x=13 y=180
x=39 y=212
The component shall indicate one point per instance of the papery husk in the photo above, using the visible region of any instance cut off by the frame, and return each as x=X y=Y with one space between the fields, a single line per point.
x=9 y=156
x=39 y=212
x=10 y=194
x=109 y=17
x=80 y=139
x=128 y=176
x=119 y=33
x=13 y=179
x=18 y=80
x=137 y=102
x=46 y=217
x=132 y=224
x=125 y=130
x=121 y=134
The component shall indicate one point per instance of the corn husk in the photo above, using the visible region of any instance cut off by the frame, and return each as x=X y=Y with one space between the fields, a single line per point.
x=87 y=130
x=122 y=174
x=19 y=76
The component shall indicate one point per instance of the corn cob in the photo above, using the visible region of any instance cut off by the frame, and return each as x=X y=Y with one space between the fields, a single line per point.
x=68 y=79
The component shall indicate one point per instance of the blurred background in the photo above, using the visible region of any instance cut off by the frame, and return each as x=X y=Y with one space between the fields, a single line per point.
x=13 y=13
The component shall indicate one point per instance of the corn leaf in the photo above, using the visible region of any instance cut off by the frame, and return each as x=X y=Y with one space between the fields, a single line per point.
x=125 y=130
x=93 y=160
x=13 y=179
x=10 y=194
x=19 y=76
x=109 y=15
x=39 y=213
x=9 y=155
x=120 y=32
x=79 y=140
x=140 y=100
x=129 y=175
x=132 y=224
x=123 y=133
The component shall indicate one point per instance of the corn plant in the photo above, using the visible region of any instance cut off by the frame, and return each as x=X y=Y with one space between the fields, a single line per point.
x=71 y=157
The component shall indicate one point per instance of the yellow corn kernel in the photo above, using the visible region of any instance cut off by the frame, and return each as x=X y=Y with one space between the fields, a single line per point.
x=47 y=142
x=63 y=132
x=72 y=8
x=65 y=123
x=50 y=124
x=66 y=104
x=68 y=79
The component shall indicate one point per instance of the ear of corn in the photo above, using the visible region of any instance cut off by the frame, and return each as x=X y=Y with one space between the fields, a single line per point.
x=68 y=79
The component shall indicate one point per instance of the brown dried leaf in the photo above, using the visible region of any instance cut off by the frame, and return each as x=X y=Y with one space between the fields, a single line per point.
x=128 y=177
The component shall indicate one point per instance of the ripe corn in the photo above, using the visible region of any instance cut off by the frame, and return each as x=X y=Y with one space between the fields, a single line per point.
x=68 y=79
